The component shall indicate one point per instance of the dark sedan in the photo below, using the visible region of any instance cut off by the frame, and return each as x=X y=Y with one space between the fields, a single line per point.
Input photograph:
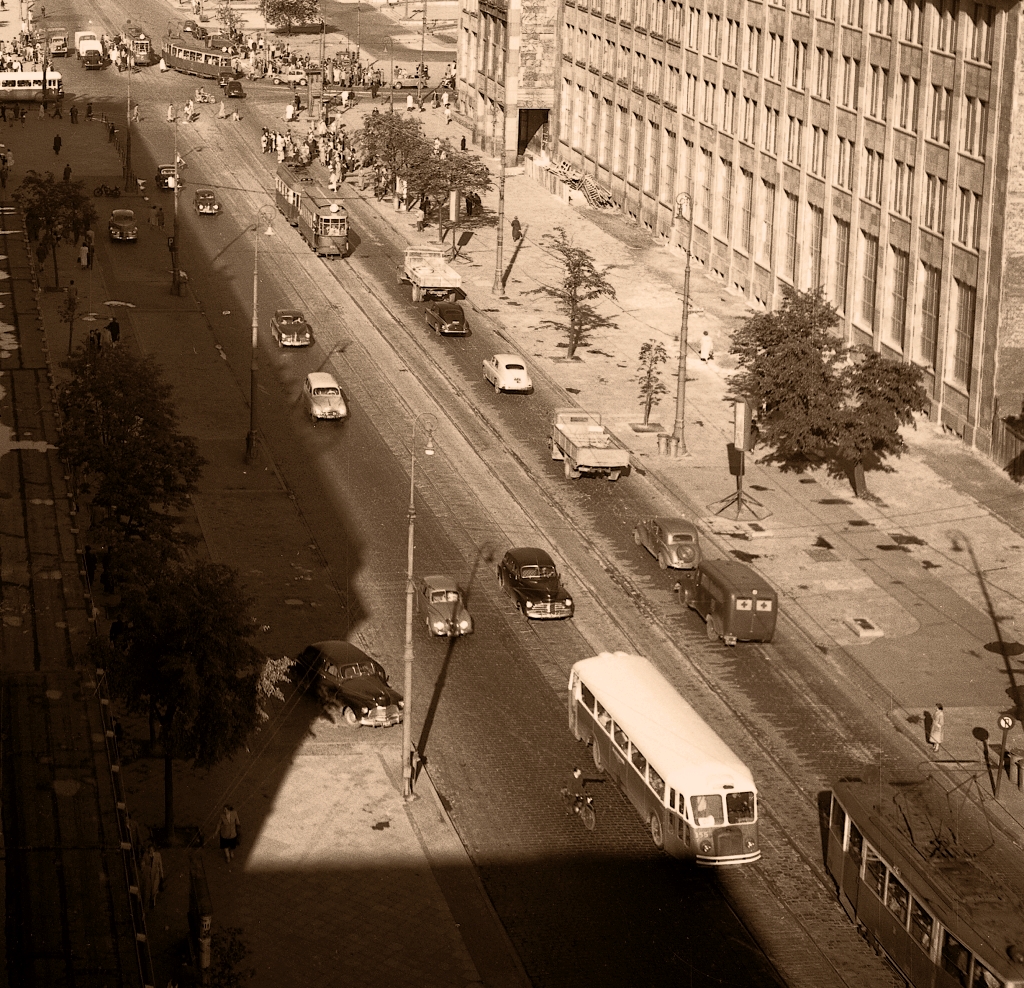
x=346 y=677
x=446 y=318
x=165 y=177
x=530 y=578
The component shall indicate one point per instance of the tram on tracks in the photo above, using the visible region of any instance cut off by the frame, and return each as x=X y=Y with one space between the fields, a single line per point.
x=695 y=795
x=304 y=197
x=193 y=57
x=936 y=887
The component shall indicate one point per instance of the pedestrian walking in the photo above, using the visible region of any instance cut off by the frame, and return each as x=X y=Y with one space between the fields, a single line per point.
x=114 y=328
x=74 y=113
x=57 y=142
x=106 y=340
x=447 y=114
x=222 y=113
x=373 y=90
x=230 y=829
x=42 y=111
x=56 y=112
x=517 y=230
x=67 y=174
x=234 y=116
x=83 y=256
x=462 y=143
x=136 y=114
x=111 y=131
x=170 y=113
x=707 y=348
x=937 y=727
x=160 y=217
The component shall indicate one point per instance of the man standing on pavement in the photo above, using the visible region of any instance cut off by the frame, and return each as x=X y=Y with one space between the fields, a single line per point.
x=67 y=174
x=160 y=217
x=517 y=230
x=57 y=142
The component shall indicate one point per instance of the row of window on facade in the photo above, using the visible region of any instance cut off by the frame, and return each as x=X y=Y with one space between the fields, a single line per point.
x=710 y=34
x=613 y=136
x=491 y=48
x=909 y=912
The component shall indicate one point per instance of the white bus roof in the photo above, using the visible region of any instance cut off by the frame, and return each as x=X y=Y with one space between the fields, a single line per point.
x=673 y=737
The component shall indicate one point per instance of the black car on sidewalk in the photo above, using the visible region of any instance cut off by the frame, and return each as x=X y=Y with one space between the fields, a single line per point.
x=346 y=677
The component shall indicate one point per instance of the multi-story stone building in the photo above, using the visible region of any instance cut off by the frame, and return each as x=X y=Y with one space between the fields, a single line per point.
x=869 y=147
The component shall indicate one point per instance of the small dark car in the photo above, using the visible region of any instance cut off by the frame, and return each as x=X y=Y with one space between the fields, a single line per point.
x=165 y=177
x=123 y=227
x=530 y=578
x=93 y=60
x=441 y=604
x=205 y=201
x=349 y=678
x=446 y=318
x=234 y=90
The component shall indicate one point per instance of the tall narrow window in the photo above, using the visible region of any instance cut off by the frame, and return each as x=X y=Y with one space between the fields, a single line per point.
x=707 y=166
x=903 y=189
x=771 y=130
x=842 y=262
x=749 y=120
x=908 y=103
x=792 y=251
x=752 y=55
x=651 y=168
x=768 y=241
x=636 y=159
x=963 y=351
x=817 y=237
x=935 y=204
x=670 y=149
x=747 y=216
x=621 y=139
x=798 y=78
x=724 y=212
x=879 y=92
x=913 y=20
x=900 y=280
x=819 y=151
x=607 y=124
x=930 y=314
x=823 y=74
x=869 y=282
x=942 y=100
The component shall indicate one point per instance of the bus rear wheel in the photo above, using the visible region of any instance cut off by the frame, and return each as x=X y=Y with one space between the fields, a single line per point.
x=657 y=832
x=598 y=760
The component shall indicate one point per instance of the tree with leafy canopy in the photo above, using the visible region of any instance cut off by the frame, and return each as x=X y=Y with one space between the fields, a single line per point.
x=120 y=434
x=581 y=285
x=441 y=170
x=229 y=17
x=185 y=658
x=652 y=356
x=289 y=12
x=393 y=143
x=817 y=401
x=56 y=212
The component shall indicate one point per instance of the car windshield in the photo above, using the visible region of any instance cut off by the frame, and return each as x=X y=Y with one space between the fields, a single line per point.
x=537 y=572
x=444 y=597
x=674 y=537
x=326 y=391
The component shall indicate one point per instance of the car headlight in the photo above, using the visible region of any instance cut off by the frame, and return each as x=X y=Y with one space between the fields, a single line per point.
x=529 y=603
x=706 y=847
x=438 y=626
x=568 y=601
x=365 y=710
x=464 y=624
x=401 y=704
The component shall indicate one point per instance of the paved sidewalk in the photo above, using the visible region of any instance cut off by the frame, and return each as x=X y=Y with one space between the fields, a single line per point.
x=933 y=558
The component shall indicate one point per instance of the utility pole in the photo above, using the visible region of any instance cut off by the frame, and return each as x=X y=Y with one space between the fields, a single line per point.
x=498 y=288
x=175 y=267
x=390 y=46
x=679 y=432
x=128 y=137
x=421 y=71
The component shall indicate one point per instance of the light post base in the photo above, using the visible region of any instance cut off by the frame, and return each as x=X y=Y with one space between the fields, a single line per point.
x=252 y=447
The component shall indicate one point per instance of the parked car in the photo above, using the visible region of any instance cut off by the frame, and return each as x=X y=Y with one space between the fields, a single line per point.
x=289 y=328
x=737 y=603
x=347 y=677
x=507 y=372
x=123 y=226
x=324 y=397
x=674 y=542
x=530 y=578
x=290 y=76
x=446 y=318
x=196 y=30
x=441 y=604
x=165 y=177
x=205 y=201
x=233 y=90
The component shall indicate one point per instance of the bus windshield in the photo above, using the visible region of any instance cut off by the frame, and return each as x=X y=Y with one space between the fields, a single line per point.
x=707 y=810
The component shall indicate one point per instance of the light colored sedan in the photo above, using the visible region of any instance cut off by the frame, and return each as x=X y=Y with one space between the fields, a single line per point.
x=507 y=372
x=441 y=605
x=324 y=397
x=674 y=542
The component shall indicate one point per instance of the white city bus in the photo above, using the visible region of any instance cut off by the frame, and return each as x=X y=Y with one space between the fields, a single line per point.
x=28 y=86
x=698 y=799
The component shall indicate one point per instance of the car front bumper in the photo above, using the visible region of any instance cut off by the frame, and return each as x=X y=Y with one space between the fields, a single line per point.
x=382 y=717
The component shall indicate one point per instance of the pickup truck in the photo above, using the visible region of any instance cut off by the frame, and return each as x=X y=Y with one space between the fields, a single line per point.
x=585 y=446
x=430 y=274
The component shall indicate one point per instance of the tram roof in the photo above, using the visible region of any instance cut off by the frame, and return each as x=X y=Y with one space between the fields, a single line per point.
x=951 y=854
x=312 y=181
x=671 y=734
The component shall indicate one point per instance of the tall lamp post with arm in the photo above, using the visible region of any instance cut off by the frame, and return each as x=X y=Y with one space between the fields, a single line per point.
x=679 y=431
x=429 y=421
x=251 y=441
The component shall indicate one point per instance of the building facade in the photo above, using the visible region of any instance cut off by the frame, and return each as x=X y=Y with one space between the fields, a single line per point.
x=868 y=147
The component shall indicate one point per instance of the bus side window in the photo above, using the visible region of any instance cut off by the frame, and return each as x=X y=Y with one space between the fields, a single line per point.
x=856 y=846
x=956 y=959
x=672 y=799
x=874 y=871
x=657 y=783
x=603 y=717
x=620 y=737
x=921 y=926
x=587 y=697
x=897 y=898
x=984 y=978
x=639 y=762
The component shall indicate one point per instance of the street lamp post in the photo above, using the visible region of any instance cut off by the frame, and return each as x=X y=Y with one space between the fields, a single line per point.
x=175 y=265
x=429 y=423
x=679 y=432
x=498 y=288
x=423 y=65
x=251 y=441
x=128 y=130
